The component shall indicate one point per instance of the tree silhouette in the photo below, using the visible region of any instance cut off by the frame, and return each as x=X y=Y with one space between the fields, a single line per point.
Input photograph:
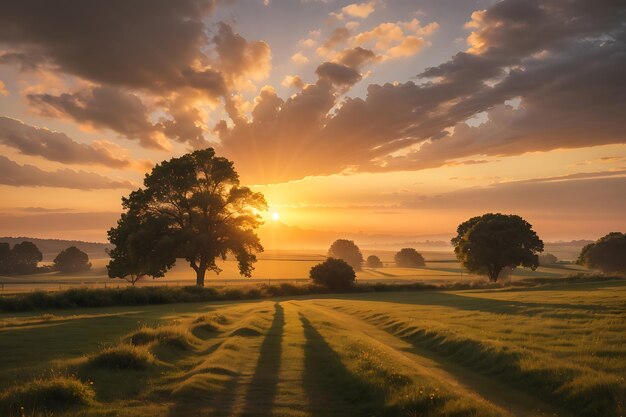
x=607 y=254
x=143 y=247
x=72 y=259
x=409 y=258
x=547 y=259
x=373 y=261
x=206 y=212
x=24 y=258
x=486 y=244
x=348 y=251
x=333 y=273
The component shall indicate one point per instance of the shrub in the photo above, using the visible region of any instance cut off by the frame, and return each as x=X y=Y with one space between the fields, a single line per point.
x=54 y=393
x=409 y=258
x=373 y=261
x=333 y=273
x=166 y=335
x=122 y=357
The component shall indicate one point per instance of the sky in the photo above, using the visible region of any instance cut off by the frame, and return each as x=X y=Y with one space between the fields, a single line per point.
x=383 y=117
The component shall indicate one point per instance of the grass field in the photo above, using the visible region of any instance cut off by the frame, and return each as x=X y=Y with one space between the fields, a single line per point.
x=281 y=265
x=544 y=351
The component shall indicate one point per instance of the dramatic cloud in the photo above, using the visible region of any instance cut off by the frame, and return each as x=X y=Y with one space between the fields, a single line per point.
x=103 y=107
x=119 y=42
x=241 y=60
x=134 y=56
x=564 y=62
x=359 y=10
x=55 y=146
x=11 y=173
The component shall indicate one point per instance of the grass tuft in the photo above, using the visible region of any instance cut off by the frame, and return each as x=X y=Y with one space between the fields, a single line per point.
x=46 y=394
x=121 y=357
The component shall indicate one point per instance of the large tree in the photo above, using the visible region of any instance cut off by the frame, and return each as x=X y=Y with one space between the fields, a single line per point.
x=489 y=243
x=348 y=251
x=207 y=213
x=607 y=254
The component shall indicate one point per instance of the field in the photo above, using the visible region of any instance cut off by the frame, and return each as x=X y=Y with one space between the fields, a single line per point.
x=557 y=350
x=284 y=265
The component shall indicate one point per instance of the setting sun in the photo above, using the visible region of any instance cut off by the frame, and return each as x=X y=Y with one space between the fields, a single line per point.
x=275 y=216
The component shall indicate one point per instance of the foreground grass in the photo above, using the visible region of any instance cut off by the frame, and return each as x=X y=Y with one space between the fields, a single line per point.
x=545 y=350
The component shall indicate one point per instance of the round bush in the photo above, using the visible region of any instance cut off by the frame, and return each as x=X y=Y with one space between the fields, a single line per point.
x=333 y=273
x=373 y=261
x=409 y=258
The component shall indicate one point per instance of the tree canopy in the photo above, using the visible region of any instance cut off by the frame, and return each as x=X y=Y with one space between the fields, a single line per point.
x=72 y=259
x=409 y=258
x=607 y=254
x=333 y=273
x=373 y=261
x=22 y=259
x=195 y=206
x=348 y=251
x=486 y=244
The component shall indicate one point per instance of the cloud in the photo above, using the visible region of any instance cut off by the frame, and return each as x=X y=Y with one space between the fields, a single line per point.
x=117 y=43
x=3 y=89
x=299 y=58
x=338 y=74
x=569 y=198
x=396 y=40
x=293 y=81
x=56 y=146
x=239 y=59
x=13 y=174
x=358 y=10
x=105 y=108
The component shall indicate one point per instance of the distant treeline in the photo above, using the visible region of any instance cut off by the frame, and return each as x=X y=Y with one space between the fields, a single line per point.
x=51 y=247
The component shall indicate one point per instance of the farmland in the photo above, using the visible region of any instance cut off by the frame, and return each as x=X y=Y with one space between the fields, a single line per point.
x=284 y=265
x=544 y=351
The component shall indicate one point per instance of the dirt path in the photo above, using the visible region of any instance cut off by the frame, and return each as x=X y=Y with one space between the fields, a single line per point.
x=512 y=402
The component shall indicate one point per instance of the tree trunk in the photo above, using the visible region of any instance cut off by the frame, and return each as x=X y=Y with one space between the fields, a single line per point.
x=200 y=272
x=494 y=273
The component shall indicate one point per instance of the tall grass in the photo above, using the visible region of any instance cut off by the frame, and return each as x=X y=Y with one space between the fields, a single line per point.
x=45 y=395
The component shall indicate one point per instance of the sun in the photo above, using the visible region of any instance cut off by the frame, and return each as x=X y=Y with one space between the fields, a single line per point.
x=275 y=216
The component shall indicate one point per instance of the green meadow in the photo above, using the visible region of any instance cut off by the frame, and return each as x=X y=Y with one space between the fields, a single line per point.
x=551 y=350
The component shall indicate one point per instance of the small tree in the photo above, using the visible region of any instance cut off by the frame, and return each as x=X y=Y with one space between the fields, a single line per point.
x=607 y=254
x=333 y=273
x=348 y=251
x=72 y=260
x=143 y=247
x=486 y=244
x=409 y=258
x=24 y=258
x=373 y=261
x=547 y=259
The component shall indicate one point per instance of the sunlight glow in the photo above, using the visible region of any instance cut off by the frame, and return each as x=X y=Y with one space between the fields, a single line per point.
x=275 y=216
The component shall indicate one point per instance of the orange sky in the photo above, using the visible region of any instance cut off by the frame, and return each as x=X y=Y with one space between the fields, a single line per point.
x=398 y=118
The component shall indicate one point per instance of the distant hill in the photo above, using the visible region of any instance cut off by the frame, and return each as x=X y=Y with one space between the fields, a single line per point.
x=50 y=248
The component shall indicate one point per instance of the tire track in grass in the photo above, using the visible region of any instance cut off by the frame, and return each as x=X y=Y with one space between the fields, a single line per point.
x=291 y=399
x=263 y=386
x=481 y=388
x=217 y=387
